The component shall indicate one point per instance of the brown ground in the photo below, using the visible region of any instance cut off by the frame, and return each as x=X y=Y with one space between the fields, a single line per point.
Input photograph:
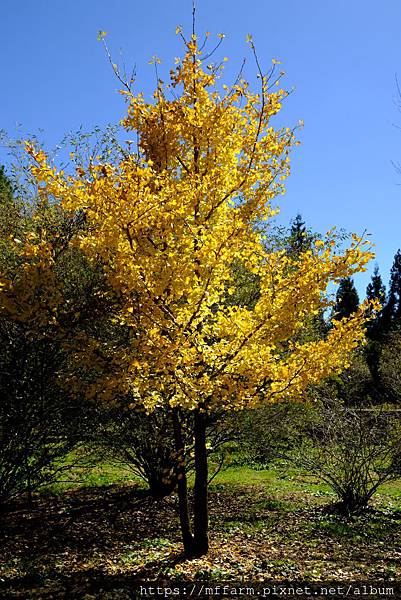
x=100 y=543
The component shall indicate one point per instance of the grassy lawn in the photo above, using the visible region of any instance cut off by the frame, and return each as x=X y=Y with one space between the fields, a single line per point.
x=99 y=530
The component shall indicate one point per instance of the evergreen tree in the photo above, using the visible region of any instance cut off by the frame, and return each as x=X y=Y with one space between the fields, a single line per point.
x=300 y=238
x=376 y=291
x=392 y=310
x=6 y=188
x=347 y=299
x=375 y=332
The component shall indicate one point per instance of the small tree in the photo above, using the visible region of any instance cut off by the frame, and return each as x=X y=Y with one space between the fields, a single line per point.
x=167 y=223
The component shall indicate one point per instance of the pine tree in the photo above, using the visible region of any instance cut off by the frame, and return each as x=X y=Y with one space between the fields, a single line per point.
x=375 y=332
x=376 y=290
x=6 y=188
x=300 y=238
x=347 y=299
x=392 y=311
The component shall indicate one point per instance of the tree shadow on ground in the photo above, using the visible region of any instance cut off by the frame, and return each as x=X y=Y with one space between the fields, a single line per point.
x=90 y=584
x=74 y=527
x=102 y=542
x=81 y=518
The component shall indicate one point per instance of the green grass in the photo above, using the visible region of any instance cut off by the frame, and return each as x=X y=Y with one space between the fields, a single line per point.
x=86 y=469
x=92 y=470
x=276 y=478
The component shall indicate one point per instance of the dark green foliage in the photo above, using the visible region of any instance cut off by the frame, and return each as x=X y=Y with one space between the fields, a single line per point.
x=376 y=291
x=354 y=387
x=381 y=353
x=294 y=240
x=271 y=431
x=6 y=187
x=10 y=217
x=347 y=299
x=246 y=287
x=299 y=237
x=375 y=331
x=392 y=310
x=389 y=365
x=395 y=286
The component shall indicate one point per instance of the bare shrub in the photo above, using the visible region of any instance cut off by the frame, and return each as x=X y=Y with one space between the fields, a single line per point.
x=353 y=450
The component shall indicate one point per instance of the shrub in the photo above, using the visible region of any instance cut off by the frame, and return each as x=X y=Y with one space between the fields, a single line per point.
x=353 y=450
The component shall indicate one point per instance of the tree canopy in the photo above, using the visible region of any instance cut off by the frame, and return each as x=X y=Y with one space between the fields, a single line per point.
x=167 y=223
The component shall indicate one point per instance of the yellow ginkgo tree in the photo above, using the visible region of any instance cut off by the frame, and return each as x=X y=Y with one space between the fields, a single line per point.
x=168 y=221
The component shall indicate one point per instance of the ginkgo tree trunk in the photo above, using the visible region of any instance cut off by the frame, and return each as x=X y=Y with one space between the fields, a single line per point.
x=168 y=221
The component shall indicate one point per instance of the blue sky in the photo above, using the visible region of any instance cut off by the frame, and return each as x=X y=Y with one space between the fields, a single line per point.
x=342 y=57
